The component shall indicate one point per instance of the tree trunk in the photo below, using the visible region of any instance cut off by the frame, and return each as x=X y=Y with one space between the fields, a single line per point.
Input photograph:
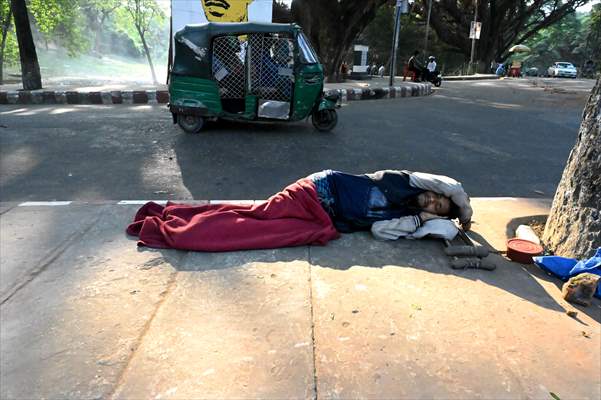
x=573 y=228
x=147 y=51
x=333 y=27
x=5 y=28
x=30 y=68
x=97 y=37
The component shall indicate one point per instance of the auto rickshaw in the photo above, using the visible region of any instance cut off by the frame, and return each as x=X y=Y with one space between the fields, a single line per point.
x=247 y=71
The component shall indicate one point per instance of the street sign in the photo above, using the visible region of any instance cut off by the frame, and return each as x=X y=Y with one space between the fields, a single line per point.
x=403 y=5
x=475 y=30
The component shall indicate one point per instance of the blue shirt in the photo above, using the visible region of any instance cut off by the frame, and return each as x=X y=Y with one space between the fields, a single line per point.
x=354 y=202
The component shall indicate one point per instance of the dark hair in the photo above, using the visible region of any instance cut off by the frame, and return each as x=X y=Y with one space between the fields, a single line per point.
x=454 y=210
x=416 y=52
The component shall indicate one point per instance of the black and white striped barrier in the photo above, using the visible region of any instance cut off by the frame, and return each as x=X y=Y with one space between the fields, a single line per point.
x=162 y=96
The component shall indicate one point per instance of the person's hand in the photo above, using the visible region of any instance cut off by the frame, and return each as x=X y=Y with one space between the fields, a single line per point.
x=426 y=216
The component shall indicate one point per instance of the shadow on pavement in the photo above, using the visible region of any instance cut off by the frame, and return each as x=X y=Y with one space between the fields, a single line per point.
x=360 y=250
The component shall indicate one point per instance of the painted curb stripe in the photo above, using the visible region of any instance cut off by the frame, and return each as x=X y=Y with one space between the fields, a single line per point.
x=162 y=96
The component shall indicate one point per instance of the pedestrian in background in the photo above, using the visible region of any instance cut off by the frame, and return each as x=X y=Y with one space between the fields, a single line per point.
x=415 y=66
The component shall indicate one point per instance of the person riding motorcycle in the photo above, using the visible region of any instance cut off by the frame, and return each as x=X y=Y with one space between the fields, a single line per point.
x=431 y=68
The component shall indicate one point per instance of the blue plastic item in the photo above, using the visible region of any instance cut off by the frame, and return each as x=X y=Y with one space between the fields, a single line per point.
x=564 y=268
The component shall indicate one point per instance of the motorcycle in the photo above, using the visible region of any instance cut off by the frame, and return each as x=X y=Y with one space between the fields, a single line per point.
x=435 y=78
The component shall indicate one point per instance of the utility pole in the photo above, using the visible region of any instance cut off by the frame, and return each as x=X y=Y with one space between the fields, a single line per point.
x=402 y=7
x=473 y=34
x=427 y=28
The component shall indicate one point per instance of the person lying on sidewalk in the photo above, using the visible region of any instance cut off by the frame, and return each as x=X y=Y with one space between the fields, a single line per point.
x=313 y=210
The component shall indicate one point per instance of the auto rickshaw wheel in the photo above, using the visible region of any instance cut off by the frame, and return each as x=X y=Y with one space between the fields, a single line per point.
x=324 y=120
x=190 y=123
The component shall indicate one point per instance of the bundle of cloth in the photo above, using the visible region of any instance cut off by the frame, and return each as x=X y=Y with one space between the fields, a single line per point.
x=291 y=217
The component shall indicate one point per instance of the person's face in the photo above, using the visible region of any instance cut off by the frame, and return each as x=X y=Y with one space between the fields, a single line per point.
x=226 y=10
x=434 y=203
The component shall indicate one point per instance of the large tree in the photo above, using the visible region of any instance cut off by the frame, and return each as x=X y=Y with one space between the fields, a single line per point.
x=30 y=67
x=143 y=14
x=98 y=13
x=504 y=22
x=333 y=26
x=281 y=12
x=573 y=228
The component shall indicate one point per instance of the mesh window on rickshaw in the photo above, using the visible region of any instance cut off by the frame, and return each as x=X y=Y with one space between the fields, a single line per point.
x=229 y=65
x=271 y=67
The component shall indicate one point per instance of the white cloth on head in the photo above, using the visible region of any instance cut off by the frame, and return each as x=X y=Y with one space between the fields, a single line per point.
x=446 y=186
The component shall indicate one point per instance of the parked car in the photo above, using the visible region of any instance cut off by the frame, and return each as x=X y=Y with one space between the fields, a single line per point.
x=562 y=69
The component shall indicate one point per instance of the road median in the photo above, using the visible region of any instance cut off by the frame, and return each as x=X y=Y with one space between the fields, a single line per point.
x=161 y=96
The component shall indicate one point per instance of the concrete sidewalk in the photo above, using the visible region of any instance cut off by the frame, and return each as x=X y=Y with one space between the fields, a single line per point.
x=87 y=314
x=80 y=91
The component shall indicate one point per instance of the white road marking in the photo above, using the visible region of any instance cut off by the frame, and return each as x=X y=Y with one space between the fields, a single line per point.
x=242 y=202
x=134 y=202
x=235 y=202
x=44 y=203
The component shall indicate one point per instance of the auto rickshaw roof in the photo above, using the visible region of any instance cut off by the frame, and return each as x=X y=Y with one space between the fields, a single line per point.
x=231 y=28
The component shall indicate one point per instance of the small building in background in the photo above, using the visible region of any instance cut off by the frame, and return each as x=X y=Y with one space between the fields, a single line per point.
x=360 y=67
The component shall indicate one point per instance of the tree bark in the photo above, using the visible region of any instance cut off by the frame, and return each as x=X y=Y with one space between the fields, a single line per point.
x=333 y=27
x=573 y=228
x=5 y=28
x=30 y=68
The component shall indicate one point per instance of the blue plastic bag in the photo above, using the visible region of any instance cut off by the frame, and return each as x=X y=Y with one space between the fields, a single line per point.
x=564 y=268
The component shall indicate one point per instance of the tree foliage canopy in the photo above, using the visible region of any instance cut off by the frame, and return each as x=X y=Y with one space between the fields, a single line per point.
x=141 y=15
x=104 y=26
x=136 y=17
x=563 y=41
x=61 y=22
x=504 y=22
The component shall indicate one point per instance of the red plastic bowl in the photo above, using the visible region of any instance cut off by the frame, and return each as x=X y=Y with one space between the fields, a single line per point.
x=522 y=251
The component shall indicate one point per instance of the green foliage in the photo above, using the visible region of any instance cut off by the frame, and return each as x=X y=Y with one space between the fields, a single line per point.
x=593 y=39
x=141 y=17
x=11 y=48
x=574 y=39
x=60 y=21
x=99 y=28
x=4 y=9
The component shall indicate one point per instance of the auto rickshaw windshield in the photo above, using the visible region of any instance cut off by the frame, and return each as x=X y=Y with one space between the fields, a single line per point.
x=307 y=54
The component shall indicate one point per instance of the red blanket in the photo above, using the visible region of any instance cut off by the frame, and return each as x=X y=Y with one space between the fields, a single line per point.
x=292 y=217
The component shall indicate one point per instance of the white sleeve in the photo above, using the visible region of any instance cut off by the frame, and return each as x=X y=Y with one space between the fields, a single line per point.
x=392 y=229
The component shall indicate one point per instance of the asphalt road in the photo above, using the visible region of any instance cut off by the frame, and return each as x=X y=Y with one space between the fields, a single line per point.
x=500 y=138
